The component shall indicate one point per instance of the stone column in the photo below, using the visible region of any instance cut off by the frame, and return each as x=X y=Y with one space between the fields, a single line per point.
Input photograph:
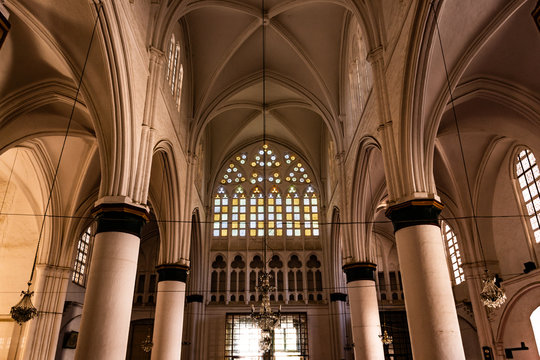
x=194 y=336
x=50 y=293
x=339 y=327
x=429 y=301
x=365 y=323
x=169 y=321
x=109 y=293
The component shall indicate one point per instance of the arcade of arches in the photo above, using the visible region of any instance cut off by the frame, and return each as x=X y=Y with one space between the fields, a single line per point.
x=392 y=162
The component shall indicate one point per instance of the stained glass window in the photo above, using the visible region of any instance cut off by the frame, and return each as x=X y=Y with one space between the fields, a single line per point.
x=286 y=204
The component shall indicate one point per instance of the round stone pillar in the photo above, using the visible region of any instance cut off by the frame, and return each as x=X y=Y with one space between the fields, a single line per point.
x=365 y=323
x=429 y=301
x=169 y=319
x=111 y=280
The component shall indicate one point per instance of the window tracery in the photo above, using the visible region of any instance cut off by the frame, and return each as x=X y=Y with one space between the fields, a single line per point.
x=175 y=70
x=453 y=253
x=528 y=179
x=82 y=258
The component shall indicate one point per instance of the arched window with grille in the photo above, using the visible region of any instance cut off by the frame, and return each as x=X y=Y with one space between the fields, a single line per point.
x=82 y=258
x=175 y=70
x=453 y=252
x=528 y=184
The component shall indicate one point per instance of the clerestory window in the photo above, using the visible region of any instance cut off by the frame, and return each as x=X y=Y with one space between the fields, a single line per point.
x=175 y=70
x=453 y=253
x=82 y=258
x=528 y=178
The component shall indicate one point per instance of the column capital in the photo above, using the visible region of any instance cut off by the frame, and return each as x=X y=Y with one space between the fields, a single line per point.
x=120 y=217
x=415 y=212
x=172 y=272
x=359 y=271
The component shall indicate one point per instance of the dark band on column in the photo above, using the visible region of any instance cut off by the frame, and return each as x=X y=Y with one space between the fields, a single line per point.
x=338 y=297
x=172 y=272
x=198 y=298
x=120 y=218
x=415 y=212
x=360 y=271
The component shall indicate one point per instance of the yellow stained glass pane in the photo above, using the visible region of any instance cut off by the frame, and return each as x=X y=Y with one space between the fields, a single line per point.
x=288 y=217
x=242 y=217
x=271 y=224
x=260 y=201
x=297 y=224
x=315 y=216
x=279 y=232
x=252 y=232
x=278 y=209
x=216 y=217
x=260 y=224
x=224 y=209
x=235 y=201
x=270 y=201
x=308 y=232
x=235 y=225
x=224 y=232
x=253 y=209
x=306 y=209
x=296 y=201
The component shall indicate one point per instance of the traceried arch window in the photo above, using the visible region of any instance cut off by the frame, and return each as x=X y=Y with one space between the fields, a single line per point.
x=453 y=252
x=528 y=176
x=170 y=57
x=359 y=72
x=175 y=70
x=290 y=207
x=82 y=257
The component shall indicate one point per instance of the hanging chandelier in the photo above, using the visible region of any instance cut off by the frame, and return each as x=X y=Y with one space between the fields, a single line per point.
x=147 y=344
x=385 y=338
x=491 y=295
x=24 y=310
x=264 y=318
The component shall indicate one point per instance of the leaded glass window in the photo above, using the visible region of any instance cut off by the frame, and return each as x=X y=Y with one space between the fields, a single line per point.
x=286 y=204
x=453 y=253
x=528 y=177
x=82 y=257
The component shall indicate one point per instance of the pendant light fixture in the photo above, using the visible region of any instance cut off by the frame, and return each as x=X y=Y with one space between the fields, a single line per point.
x=265 y=319
x=492 y=295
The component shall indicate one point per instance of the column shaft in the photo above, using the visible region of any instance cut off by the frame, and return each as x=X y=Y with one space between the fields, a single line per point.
x=167 y=337
x=109 y=297
x=111 y=281
x=365 y=322
x=429 y=301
